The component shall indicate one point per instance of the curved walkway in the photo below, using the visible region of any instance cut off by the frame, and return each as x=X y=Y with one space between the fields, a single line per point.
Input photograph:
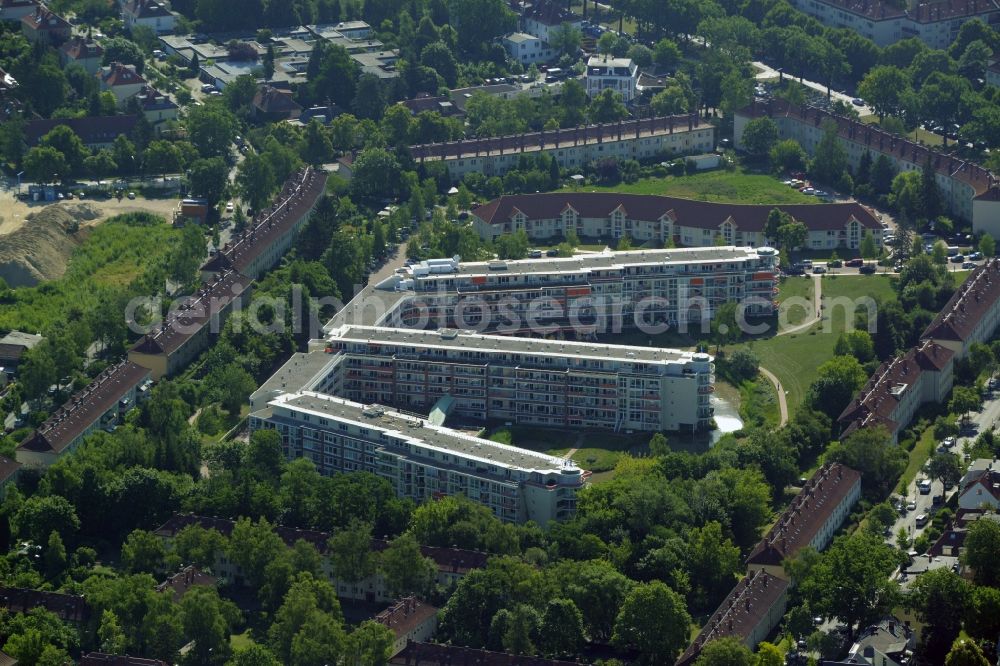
x=782 y=403
x=813 y=317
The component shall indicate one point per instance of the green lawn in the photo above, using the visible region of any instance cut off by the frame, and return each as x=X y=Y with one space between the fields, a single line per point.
x=797 y=288
x=722 y=186
x=598 y=451
x=795 y=358
x=922 y=450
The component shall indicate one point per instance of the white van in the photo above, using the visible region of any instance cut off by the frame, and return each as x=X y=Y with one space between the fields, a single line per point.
x=922 y=520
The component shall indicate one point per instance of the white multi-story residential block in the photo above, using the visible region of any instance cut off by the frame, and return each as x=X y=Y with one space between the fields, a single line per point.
x=553 y=383
x=420 y=459
x=618 y=74
x=601 y=292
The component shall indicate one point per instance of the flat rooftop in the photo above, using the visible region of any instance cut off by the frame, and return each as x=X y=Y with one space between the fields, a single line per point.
x=454 y=339
x=417 y=428
x=605 y=260
x=296 y=374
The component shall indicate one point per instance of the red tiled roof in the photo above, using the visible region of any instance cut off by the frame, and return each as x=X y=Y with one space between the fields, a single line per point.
x=146 y=9
x=684 y=212
x=880 y=141
x=451 y=560
x=69 y=607
x=561 y=138
x=299 y=195
x=943 y=10
x=966 y=307
x=44 y=19
x=875 y=402
x=192 y=314
x=85 y=407
x=8 y=468
x=405 y=615
x=740 y=612
x=434 y=654
x=269 y=99
x=79 y=48
x=118 y=74
x=91 y=130
x=184 y=580
x=806 y=515
x=101 y=659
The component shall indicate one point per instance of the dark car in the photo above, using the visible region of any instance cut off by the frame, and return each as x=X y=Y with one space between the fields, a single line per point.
x=867 y=269
x=957 y=259
x=836 y=263
x=552 y=253
x=854 y=263
x=795 y=270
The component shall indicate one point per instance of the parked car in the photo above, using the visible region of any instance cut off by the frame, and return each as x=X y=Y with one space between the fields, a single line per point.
x=854 y=263
x=552 y=253
x=836 y=263
x=968 y=265
x=868 y=269
x=976 y=256
x=131 y=195
x=957 y=259
x=924 y=486
x=229 y=207
x=207 y=88
x=535 y=254
x=819 y=270
x=857 y=101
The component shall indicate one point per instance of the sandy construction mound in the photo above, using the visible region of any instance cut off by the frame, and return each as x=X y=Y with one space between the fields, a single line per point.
x=41 y=247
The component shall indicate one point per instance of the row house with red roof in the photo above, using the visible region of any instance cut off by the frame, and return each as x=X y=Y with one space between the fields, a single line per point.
x=968 y=190
x=755 y=606
x=683 y=222
x=899 y=387
x=972 y=314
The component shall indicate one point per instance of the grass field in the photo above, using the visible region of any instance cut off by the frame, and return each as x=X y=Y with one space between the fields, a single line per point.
x=597 y=451
x=722 y=186
x=921 y=452
x=795 y=358
x=798 y=288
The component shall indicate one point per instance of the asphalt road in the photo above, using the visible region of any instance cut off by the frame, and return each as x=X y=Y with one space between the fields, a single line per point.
x=768 y=72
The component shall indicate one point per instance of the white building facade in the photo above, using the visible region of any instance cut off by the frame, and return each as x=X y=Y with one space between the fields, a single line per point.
x=618 y=74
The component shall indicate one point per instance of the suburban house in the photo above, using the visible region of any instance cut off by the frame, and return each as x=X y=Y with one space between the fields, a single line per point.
x=888 y=643
x=157 y=107
x=15 y=10
x=895 y=392
x=972 y=314
x=410 y=620
x=151 y=14
x=542 y=18
x=683 y=222
x=43 y=26
x=99 y=405
x=573 y=147
x=983 y=491
x=967 y=189
x=811 y=519
x=271 y=104
x=618 y=74
x=380 y=63
x=190 y=576
x=95 y=132
x=122 y=80
x=452 y=563
x=528 y=49
x=84 y=52
x=12 y=348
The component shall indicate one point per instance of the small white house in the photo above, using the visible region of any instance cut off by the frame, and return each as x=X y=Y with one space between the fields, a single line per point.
x=618 y=74
x=528 y=49
x=149 y=13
